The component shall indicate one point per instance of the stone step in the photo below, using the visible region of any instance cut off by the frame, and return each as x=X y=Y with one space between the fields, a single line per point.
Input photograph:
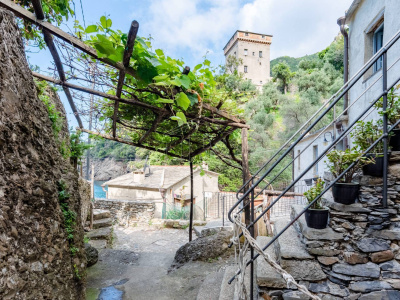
x=202 y=231
x=101 y=223
x=288 y=245
x=228 y=290
x=100 y=214
x=211 y=286
x=103 y=233
x=266 y=276
x=98 y=244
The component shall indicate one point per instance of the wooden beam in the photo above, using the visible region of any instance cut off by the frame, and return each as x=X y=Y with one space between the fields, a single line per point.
x=191 y=131
x=153 y=127
x=212 y=143
x=77 y=43
x=98 y=93
x=246 y=173
x=52 y=48
x=117 y=139
x=221 y=113
x=121 y=78
x=225 y=122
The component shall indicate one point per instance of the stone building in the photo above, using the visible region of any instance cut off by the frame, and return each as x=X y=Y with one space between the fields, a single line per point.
x=164 y=186
x=254 y=50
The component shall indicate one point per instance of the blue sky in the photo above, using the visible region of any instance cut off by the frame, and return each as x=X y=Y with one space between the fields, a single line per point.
x=191 y=29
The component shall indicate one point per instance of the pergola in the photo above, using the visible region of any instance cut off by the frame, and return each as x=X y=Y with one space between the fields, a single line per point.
x=206 y=126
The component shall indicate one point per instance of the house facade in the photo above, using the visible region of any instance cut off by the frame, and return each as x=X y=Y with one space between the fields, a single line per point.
x=166 y=186
x=254 y=50
x=369 y=25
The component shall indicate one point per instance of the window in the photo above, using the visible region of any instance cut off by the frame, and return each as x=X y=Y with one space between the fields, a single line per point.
x=245 y=52
x=378 y=43
x=315 y=156
x=260 y=81
x=263 y=36
x=254 y=54
x=245 y=69
x=234 y=53
x=260 y=63
x=246 y=34
x=260 y=53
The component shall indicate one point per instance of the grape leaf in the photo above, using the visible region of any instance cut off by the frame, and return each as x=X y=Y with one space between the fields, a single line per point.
x=182 y=100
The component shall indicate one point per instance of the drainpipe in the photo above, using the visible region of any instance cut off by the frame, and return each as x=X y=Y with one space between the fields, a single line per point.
x=342 y=22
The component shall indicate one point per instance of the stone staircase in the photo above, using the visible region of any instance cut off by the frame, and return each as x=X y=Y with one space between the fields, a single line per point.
x=216 y=287
x=100 y=236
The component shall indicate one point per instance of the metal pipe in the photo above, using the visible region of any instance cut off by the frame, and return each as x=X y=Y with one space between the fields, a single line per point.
x=385 y=132
x=342 y=22
x=251 y=247
x=191 y=201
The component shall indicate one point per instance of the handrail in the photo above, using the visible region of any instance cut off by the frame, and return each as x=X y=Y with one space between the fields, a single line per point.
x=348 y=85
x=375 y=57
x=317 y=198
x=344 y=133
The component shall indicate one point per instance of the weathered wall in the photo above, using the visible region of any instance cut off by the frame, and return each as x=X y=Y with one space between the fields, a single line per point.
x=35 y=255
x=361 y=23
x=84 y=193
x=128 y=212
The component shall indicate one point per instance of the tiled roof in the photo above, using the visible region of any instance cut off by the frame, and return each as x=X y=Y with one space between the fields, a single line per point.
x=170 y=175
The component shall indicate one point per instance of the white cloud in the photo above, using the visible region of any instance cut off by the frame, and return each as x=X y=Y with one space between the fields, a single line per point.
x=190 y=28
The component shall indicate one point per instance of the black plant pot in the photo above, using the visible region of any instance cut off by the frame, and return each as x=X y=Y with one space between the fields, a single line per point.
x=308 y=181
x=374 y=169
x=345 y=193
x=395 y=140
x=317 y=218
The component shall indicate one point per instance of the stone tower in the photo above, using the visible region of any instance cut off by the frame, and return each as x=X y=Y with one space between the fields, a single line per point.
x=254 y=50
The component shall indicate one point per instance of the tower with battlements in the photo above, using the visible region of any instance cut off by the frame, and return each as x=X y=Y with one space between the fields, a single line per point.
x=253 y=49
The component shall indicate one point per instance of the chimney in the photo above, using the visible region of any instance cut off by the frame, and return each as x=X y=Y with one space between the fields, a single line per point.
x=138 y=175
x=204 y=166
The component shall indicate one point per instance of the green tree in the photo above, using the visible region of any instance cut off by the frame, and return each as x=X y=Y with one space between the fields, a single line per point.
x=281 y=72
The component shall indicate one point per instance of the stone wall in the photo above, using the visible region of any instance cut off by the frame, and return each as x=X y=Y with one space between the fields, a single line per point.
x=84 y=192
x=128 y=212
x=358 y=252
x=36 y=261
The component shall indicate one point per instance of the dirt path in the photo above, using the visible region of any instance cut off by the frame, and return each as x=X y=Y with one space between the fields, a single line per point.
x=137 y=267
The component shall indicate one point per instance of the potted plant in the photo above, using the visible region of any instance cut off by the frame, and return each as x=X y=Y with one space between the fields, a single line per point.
x=316 y=215
x=364 y=134
x=345 y=191
x=393 y=115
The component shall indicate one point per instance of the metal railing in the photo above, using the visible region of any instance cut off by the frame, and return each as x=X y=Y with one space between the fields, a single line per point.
x=246 y=201
x=216 y=205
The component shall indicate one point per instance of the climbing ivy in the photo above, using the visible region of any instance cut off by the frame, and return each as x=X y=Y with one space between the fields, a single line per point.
x=55 y=11
x=69 y=216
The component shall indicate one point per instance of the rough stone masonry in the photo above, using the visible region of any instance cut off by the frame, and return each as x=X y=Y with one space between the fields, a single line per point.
x=357 y=256
x=35 y=256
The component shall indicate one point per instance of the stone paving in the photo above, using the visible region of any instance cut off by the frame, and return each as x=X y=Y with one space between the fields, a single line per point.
x=137 y=267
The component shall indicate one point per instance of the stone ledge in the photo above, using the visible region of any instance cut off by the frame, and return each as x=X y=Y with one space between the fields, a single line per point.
x=265 y=274
x=288 y=244
x=353 y=208
x=311 y=233
x=387 y=234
